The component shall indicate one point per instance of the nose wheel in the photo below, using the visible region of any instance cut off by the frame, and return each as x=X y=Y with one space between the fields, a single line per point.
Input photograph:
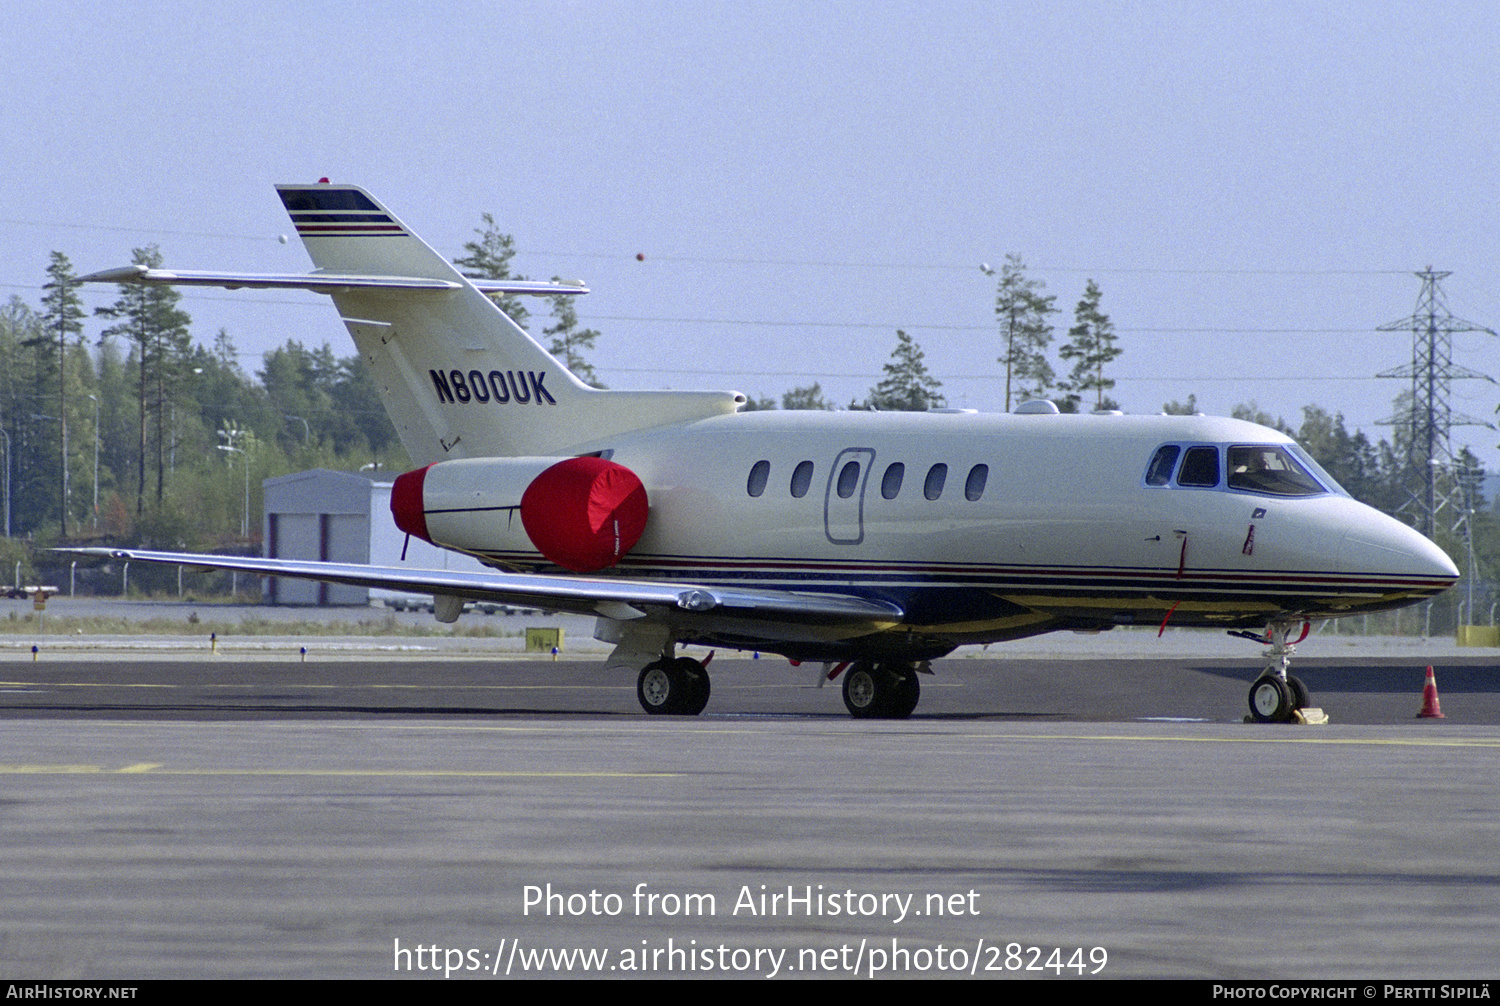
x=1273 y=700
x=673 y=686
x=883 y=691
x=1276 y=696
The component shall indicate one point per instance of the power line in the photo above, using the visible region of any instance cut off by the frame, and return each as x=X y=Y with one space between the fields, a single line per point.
x=937 y=326
x=763 y=323
x=826 y=375
x=951 y=267
x=135 y=230
x=743 y=261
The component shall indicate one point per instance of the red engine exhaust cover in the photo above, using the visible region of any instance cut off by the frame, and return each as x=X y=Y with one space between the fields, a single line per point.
x=406 y=503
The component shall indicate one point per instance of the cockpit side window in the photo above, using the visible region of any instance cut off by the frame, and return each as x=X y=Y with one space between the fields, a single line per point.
x=1200 y=468
x=1160 y=472
x=1270 y=469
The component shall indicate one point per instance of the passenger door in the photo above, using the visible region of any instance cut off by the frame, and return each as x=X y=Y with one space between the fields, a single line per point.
x=844 y=499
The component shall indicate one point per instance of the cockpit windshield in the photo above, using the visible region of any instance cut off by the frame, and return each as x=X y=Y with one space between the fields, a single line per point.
x=1273 y=469
x=1270 y=469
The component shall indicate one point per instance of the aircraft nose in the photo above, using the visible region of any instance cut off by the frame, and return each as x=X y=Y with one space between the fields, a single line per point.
x=1387 y=546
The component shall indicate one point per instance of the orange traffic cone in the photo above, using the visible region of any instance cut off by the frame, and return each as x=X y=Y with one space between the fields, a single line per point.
x=1430 y=707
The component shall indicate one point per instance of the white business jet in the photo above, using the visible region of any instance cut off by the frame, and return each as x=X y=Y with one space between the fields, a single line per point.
x=872 y=542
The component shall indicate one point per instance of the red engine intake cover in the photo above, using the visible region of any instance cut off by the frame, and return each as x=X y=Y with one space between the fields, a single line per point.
x=585 y=513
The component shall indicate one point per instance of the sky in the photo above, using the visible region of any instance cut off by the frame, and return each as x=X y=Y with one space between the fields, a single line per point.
x=760 y=194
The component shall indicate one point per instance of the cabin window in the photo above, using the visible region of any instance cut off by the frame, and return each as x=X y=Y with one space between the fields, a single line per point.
x=974 y=487
x=758 y=475
x=890 y=485
x=1270 y=470
x=1200 y=468
x=936 y=476
x=848 y=480
x=801 y=479
x=1160 y=472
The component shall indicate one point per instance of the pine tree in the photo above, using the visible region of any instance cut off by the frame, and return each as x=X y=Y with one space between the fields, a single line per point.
x=1022 y=311
x=149 y=317
x=1350 y=459
x=62 y=316
x=357 y=399
x=569 y=341
x=24 y=505
x=808 y=397
x=1251 y=413
x=1091 y=344
x=489 y=258
x=907 y=386
x=1176 y=408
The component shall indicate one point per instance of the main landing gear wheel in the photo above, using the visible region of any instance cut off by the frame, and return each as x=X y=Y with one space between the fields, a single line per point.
x=881 y=691
x=676 y=686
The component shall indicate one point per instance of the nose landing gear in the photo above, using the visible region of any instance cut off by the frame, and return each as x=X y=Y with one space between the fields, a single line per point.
x=1276 y=696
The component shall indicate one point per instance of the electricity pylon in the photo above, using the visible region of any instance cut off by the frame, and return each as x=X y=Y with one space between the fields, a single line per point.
x=1437 y=479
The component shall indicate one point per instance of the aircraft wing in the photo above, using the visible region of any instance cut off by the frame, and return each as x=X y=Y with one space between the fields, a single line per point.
x=321 y=282
x=612 y=597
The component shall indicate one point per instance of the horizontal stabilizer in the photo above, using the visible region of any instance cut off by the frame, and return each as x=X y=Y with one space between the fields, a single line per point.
x=439 y=345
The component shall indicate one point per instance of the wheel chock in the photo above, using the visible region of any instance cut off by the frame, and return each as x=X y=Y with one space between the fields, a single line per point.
x=1312 y=716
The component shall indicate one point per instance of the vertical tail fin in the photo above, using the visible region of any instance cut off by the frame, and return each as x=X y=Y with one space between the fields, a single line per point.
x=458 y=377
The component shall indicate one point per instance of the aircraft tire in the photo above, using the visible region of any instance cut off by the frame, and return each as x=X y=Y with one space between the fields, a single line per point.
x=1270 y=700
x=880 y=691
x=677 y=687
x=698 y=687
x=862 y=691
x=1299 y=694
x=908 y=692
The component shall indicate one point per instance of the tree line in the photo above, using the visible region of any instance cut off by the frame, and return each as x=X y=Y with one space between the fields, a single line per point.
x=1023 y=311
x=137 y=435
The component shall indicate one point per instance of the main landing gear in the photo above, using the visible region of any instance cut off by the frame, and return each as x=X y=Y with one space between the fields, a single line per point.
x=1276 y=696
x=881 y=691
x=679 y=686
x=674 y=686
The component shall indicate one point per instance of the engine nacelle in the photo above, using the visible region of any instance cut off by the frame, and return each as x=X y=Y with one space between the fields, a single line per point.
x=584 y=514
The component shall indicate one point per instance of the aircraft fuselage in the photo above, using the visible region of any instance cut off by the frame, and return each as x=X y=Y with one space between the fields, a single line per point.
x=987 y=527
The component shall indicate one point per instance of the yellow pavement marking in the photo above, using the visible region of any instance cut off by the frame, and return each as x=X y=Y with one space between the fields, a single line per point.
x=157 y=769
x=303 y=684
x=839 y=728
x=1457 y=742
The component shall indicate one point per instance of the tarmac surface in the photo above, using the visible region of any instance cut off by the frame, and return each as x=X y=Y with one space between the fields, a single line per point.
x=398 y=808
